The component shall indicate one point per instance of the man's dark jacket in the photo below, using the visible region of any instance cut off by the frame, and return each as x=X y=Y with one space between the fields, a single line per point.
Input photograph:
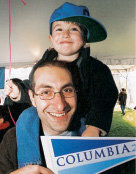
x=8 y=152
x=9 y=163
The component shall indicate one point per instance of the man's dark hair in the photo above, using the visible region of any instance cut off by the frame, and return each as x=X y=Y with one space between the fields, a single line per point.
x=55 y=63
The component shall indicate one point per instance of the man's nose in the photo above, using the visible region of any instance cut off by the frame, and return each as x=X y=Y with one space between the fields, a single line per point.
x=59 y=101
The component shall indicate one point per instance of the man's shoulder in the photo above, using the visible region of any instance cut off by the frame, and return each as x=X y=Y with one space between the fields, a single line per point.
x=10 y=134
x=9 y=139
x=8 y=147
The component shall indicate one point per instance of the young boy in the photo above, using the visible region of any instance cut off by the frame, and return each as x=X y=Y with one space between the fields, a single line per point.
x=71 y=27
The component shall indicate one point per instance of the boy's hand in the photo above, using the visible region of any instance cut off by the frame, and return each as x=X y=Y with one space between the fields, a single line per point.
x=12 y=90
x=91 y=131
x=32 y=169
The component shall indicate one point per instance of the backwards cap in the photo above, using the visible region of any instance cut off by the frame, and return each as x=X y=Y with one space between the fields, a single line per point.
x=79 y=14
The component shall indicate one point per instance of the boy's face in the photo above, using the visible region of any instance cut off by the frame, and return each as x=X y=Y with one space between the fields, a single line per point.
x=66 y=39
x=56 y=113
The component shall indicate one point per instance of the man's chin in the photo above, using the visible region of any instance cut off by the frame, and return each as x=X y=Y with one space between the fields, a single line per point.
x=61 y=130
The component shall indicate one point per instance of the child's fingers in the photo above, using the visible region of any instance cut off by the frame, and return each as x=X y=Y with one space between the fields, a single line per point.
x=8 y=90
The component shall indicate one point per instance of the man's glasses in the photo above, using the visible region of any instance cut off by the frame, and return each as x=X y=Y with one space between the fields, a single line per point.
x=48 y=94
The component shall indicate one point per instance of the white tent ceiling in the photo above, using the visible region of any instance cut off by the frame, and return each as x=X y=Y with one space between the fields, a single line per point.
x=122 y=68
x=29 y=30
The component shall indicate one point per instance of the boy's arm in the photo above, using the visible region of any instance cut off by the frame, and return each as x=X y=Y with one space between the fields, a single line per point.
x=12 y=90
x=102 y=98
x=91 y=131
x=18 y=92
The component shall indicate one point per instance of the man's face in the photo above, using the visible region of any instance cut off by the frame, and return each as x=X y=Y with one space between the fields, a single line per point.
x=56 y=113
x=66 y=39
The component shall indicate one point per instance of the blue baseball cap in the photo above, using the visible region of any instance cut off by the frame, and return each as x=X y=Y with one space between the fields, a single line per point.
x=80 y=14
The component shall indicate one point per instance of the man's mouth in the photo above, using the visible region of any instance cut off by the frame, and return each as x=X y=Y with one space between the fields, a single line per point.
x=58 y=115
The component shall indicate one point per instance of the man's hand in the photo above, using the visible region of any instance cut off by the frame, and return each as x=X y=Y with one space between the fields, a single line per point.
x=33 y=169
x=91 y=131
x=12 y=90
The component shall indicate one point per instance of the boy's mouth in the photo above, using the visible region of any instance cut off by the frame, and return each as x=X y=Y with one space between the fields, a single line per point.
x=65 y=42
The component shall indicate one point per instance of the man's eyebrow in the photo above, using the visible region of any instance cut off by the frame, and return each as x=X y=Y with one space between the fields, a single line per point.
x=67 y=85
x=43 y=86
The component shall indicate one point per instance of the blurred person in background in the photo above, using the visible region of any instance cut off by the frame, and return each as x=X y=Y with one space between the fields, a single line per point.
x=122 y=100
x=4 y=123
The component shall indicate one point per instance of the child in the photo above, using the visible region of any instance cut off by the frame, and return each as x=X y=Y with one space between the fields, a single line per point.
x=71 y=27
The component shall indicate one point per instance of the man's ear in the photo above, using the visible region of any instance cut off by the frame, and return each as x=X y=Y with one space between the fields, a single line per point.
x=31 y=95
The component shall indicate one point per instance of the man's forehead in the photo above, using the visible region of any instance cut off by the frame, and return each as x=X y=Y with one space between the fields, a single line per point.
x=51 y=70
x=52 y=76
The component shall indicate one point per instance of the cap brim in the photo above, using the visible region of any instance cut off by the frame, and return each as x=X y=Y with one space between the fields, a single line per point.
x=97 y=31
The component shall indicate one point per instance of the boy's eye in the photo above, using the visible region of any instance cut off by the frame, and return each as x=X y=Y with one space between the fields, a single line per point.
x=74 y=29
x=58 y=29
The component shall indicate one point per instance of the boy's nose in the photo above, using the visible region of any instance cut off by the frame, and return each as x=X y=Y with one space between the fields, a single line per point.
x=65 y=34
x=59 y=102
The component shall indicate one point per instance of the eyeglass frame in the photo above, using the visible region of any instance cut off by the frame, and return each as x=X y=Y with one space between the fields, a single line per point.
x=61 y=94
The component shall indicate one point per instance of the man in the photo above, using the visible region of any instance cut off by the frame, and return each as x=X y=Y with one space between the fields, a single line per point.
x=122 y=100
x=54 y=98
